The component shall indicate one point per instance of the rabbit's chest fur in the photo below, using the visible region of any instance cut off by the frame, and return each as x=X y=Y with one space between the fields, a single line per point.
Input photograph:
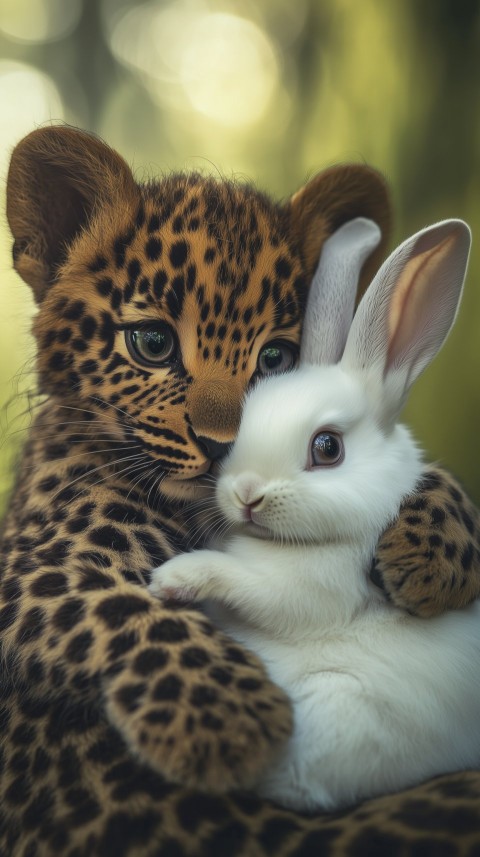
x=381 y=699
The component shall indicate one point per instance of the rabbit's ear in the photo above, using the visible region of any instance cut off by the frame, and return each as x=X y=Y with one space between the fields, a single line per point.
x=407 y=312
x=331 y=300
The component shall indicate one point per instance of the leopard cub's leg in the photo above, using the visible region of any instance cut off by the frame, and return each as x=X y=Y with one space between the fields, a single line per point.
x=428 y=561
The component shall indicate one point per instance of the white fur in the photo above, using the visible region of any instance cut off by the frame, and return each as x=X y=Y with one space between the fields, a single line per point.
x=381 y=699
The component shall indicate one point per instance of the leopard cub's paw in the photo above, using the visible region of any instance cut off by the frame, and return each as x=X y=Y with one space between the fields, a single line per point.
x=198 y=708
x=428 y=561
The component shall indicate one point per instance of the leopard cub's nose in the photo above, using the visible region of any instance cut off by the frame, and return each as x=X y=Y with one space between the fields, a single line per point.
x=213 y=449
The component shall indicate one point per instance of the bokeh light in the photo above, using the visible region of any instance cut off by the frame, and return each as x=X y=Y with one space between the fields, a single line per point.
x=34 y=21
x=28 y=98
x=228 y=69
x=220 y=64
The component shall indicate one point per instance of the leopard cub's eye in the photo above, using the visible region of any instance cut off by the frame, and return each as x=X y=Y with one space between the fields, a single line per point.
x=276 y=357
x=326 y=449
x=152 y=345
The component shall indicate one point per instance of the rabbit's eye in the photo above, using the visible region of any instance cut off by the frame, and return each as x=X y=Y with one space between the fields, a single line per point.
x=327 y=449
x=276 y=357
x=151 y=345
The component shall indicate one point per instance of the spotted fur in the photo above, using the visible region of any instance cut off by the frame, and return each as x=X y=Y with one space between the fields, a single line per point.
x=440 y=568
x=120 y=715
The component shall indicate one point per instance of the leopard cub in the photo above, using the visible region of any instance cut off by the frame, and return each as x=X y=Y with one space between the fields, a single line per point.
x=158 y=306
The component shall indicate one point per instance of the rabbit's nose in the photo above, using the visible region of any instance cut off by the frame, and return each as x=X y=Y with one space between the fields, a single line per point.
x=248 y=490
x=249 y=493
x=256 y=503
x=249 y=508
x=248 y=502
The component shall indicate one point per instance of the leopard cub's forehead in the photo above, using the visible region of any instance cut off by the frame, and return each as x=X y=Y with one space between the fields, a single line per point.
x=215 y=260
x=193 y=240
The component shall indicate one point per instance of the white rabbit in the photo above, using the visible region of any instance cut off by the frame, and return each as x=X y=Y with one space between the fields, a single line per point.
x=381 y=699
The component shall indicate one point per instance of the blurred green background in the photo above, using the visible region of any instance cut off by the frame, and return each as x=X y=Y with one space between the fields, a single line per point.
x=271 y=91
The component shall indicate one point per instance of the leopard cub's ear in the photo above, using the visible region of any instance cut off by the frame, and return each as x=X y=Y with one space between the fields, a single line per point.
x=58 y=177
x=333 y=197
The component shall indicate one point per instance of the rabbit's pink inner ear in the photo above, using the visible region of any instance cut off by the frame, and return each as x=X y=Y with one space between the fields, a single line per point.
x=423 y=306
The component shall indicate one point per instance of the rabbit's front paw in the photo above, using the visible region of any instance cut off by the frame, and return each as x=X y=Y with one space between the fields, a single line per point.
x=187 y=577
